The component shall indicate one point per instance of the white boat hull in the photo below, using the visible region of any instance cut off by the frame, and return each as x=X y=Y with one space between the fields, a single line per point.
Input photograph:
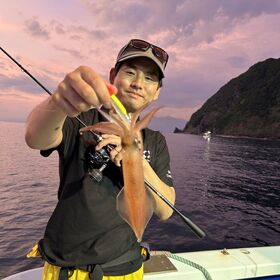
x=246 y=263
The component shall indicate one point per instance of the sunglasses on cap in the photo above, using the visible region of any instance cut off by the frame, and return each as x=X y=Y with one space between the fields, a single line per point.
x=142 y=45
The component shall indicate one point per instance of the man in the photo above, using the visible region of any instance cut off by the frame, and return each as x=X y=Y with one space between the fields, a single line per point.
x=85 y=237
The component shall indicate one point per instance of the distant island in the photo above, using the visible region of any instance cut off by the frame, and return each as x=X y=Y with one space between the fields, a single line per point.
x=248 y=105
x=166 y=124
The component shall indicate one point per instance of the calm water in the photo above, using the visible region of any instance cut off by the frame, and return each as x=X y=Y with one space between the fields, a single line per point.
x=228 y=186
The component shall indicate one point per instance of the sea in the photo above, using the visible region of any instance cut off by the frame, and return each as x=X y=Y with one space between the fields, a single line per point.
x=227 y=186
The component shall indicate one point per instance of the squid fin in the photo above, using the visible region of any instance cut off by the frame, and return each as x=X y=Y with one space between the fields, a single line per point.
x=139 y=219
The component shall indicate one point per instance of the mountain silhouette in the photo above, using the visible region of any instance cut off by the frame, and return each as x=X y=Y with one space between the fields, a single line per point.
x=248 y=105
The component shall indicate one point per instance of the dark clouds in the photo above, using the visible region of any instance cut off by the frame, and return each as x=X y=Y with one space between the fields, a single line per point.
x=35 y=29
x=237 y=61
x=38 y=30
x=184 y=88
x=58 y=27
x=209 y=41
x=180 y=18
x=72 y=52
x=96 y=34
x=254 y=8
x=23 y=83
x=20 y=83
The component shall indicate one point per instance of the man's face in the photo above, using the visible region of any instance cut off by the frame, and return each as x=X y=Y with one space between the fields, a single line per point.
x=137 y=81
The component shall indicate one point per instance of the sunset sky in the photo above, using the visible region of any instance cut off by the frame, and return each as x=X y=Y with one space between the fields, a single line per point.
x=209 y=43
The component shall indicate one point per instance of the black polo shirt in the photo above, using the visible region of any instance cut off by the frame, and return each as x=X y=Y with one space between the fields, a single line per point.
x=85 y=227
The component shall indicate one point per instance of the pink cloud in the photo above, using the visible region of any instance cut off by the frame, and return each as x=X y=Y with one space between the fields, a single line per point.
x=35 y=29
x=209 y=42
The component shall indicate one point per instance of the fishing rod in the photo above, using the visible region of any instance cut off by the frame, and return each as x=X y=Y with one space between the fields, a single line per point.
x=36 y=81
x=102 y=157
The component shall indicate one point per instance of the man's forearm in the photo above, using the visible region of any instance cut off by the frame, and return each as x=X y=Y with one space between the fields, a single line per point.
x=162 y=210
x=44 y=126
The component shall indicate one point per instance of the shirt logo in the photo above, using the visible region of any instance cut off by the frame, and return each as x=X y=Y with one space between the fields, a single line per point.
x=147 y=155
x=168 y=175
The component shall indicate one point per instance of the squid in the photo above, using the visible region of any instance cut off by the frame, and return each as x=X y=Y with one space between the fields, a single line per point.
x=134 y=202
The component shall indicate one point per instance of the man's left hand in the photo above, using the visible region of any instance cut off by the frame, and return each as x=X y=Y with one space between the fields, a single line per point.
x=116 y=154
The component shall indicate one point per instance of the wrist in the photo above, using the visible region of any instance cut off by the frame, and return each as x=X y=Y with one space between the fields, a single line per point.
x=53 y=106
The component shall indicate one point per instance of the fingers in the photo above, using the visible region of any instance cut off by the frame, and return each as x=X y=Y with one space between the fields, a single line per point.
x=100 y=87
x=69 y=101
x=116 y=154
x=80 y=90
x=109 y=139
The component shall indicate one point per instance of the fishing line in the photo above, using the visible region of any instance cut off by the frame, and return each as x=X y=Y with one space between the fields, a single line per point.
x=196 y=230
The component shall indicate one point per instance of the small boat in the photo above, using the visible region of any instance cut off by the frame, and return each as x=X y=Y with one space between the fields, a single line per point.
x=207 y=135
x=243 y=263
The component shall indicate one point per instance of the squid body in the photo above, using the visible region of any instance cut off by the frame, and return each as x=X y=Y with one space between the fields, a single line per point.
x=134 y=202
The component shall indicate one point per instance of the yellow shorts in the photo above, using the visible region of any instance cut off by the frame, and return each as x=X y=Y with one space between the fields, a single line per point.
x=51 y=272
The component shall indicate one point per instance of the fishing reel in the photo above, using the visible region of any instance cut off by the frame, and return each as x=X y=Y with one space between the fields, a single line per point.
x=97 y=161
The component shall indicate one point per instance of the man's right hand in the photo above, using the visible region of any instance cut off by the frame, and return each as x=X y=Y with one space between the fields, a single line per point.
x=81 y=90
